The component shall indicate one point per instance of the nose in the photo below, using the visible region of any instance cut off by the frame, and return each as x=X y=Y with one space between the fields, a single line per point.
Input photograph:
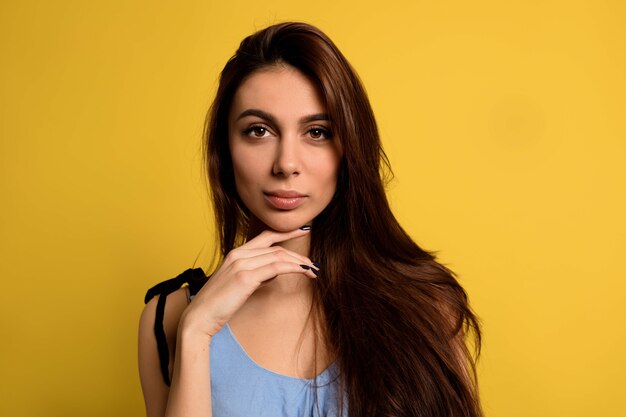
x=287 y=159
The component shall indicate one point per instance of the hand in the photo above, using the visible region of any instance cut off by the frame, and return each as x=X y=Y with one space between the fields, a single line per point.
x=243 y=270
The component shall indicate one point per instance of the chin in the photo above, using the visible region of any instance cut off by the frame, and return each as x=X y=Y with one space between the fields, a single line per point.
x=285 y=226
x=286 y=222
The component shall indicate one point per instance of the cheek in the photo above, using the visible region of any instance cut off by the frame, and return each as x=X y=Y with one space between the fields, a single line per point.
x=329 y=172
x=245 y=170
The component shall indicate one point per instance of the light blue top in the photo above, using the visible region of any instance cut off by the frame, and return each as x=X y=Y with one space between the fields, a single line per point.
x=242 y=388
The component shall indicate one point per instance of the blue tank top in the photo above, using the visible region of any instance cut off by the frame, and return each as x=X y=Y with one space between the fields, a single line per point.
x=242 y=388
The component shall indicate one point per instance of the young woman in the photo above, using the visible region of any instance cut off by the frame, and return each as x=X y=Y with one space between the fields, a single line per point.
x=322 y=305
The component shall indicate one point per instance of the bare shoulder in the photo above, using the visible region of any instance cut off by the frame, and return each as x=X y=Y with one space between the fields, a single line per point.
x=176 y=303
x=155 y=391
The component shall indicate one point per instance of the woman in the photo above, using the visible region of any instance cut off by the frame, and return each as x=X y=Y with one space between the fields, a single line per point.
x=322 y=304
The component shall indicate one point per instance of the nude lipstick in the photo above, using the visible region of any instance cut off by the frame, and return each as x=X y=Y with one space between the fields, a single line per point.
x=284 y=200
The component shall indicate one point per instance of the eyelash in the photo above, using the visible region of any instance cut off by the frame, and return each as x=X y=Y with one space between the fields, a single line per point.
x=254 y=128
x=327 y=133
x=322 y=131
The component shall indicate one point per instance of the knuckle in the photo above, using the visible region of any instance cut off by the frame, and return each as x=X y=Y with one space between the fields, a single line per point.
x=236 y=264
x=279 y=255
x=241 y=276
x=278 y=267
x=232 y=256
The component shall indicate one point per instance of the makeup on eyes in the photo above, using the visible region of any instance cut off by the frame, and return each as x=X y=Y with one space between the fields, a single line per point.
x=322 y=132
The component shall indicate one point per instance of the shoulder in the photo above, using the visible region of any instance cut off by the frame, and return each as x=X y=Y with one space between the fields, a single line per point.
x=151 y=373
x=158 y=326
x=176 y=303
x=165 y=303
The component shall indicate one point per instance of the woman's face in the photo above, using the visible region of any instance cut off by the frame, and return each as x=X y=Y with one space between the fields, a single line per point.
x=285 y=158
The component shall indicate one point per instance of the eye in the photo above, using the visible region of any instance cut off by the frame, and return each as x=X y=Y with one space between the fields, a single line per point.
x=256 y=131
x=319 y=133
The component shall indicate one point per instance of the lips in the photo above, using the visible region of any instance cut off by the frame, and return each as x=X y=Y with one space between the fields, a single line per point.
x=284 y=200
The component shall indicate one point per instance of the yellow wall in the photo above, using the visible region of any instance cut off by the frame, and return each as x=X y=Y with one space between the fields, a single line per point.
x=504 y=122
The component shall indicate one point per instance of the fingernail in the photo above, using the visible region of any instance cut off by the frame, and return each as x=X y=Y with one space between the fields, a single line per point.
x=316 y=272
x=315 y=264
x=306 y=267
x=305 y=227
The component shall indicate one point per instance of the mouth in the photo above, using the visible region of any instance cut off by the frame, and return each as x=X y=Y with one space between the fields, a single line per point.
x=284 y=200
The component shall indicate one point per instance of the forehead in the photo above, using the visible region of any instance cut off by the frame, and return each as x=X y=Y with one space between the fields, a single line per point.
x=280 y=90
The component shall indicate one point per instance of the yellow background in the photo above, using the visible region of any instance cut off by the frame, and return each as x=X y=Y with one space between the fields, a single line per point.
x=504 y=123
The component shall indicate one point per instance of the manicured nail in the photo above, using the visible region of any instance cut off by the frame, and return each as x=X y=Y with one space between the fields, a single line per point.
x=315 y=264
x=316 y=272
x=306 y=227
x=306 y=267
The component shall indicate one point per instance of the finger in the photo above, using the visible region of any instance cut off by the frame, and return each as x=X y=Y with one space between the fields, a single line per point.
x=242 y=252
x=259 y=260
x=249 y=253
x=270 y=271
x=269 y=237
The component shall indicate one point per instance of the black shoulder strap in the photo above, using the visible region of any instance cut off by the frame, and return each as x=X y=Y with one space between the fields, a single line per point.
x=195 y=278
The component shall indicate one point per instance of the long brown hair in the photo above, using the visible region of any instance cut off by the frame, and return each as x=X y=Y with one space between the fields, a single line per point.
x=395 y=318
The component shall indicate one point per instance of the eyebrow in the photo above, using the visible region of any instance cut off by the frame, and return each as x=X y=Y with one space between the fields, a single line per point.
x=268 y=117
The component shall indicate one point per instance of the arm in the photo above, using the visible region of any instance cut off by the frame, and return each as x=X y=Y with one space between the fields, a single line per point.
x=244 y=269
x=190 y=394
x=155 y=391
x=191 y=376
